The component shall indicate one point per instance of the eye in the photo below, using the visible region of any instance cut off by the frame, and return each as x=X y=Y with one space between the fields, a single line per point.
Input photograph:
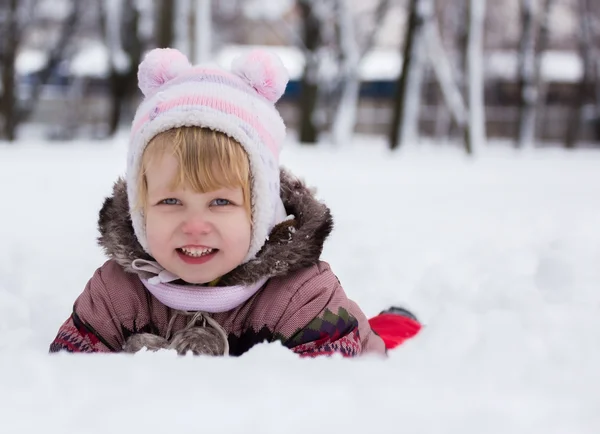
x=169 y=201
x=220 y=202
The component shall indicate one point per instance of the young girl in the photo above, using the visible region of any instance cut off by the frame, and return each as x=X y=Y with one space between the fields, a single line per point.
x=213 y=248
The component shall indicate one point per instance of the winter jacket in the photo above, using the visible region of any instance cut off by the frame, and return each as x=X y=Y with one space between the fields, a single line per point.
x=302 y=304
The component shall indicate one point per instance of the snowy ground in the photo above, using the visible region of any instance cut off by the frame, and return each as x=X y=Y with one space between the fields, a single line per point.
x=498 y=256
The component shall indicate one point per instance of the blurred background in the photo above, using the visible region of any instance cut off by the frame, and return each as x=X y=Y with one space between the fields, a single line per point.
x=456 y=72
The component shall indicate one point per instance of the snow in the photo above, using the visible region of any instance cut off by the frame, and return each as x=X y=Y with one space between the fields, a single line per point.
x=92 y=60
x=497 y=255
x=30 y=61
x=266 y=10
x=386 y=63
x=381 y=64
x=292 y=58
x=377 y=64
x=557 y=66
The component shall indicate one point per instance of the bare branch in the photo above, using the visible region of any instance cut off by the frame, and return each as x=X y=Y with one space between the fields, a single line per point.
x=27 y=18
x=380 y=12
x=54 y=57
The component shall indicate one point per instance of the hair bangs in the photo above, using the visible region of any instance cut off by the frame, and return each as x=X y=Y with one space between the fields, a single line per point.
x=208 y=160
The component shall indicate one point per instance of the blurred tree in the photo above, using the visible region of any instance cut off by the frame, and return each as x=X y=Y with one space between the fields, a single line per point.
x=445 y=76
x=9 y=40
x=19 y=16
x=352 y=51
x=526 y=75
x=586 y=95
x=423 y=47
x=165 y=17
x=312 y=39
x=119 y=21
x=532 y=87
x=55 y=56
x=476 y=131
x=404 y=124
x=454 y=36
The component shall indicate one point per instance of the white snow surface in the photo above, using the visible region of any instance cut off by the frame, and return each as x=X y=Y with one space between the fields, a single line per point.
x=497 y=255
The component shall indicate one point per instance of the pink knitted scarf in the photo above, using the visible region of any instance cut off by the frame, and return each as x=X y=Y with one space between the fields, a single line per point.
x=212 y=299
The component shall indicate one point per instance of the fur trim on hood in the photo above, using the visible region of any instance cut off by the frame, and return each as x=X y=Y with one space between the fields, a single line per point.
x=293 y=244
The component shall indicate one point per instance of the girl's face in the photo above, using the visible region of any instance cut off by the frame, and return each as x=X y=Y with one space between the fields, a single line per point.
x=196 y=236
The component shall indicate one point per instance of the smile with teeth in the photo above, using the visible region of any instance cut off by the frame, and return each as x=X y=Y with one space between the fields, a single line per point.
x=196 y=253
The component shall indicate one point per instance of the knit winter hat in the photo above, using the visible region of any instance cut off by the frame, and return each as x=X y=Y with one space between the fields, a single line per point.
x=239 y=103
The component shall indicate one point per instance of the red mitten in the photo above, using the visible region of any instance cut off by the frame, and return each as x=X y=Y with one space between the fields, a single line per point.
x=394 y=329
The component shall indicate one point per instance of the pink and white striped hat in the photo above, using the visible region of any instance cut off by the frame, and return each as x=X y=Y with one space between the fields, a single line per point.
x=239 y=103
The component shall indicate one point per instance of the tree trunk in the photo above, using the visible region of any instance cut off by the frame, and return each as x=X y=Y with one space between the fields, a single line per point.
x=588 y=57
x=462 y=63
x=527 y=82
x=8 y=104
x=345 y=114
x=442 y=68
x=203 y=30
x=164 y=23
x=381 y=11
x=309 y=85
x=352 y=53
x=192 y=24
x=117 y=87
x=542 y=46
x=54 y=58
x=405 y=120
x=476 y=133
x=123 y=82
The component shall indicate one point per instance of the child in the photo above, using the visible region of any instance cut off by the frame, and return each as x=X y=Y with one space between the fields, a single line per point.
x=213 y=248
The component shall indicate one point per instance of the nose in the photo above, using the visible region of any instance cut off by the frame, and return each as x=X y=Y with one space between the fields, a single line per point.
x=196 y=224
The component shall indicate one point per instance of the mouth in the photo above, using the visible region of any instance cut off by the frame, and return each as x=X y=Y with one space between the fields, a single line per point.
x=195 y=255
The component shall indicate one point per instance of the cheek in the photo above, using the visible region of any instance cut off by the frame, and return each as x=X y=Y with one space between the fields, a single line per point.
x=155 y=229
x=247 y=233
x=240 y=230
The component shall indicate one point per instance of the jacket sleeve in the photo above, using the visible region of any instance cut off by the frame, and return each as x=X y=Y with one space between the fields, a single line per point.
x=321 y=320
x=93 y=325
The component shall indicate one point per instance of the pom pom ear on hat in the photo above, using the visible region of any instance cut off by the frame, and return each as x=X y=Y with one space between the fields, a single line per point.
x=264 y=71
x=160 y=66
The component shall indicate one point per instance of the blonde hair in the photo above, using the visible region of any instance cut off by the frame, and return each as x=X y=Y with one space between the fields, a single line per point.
x=208 y=160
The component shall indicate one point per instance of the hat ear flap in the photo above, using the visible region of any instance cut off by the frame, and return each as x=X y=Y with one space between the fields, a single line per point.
x=160 y=66
x=263 y=71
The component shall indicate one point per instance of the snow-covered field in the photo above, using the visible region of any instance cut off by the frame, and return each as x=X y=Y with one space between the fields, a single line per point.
x=499 y=256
